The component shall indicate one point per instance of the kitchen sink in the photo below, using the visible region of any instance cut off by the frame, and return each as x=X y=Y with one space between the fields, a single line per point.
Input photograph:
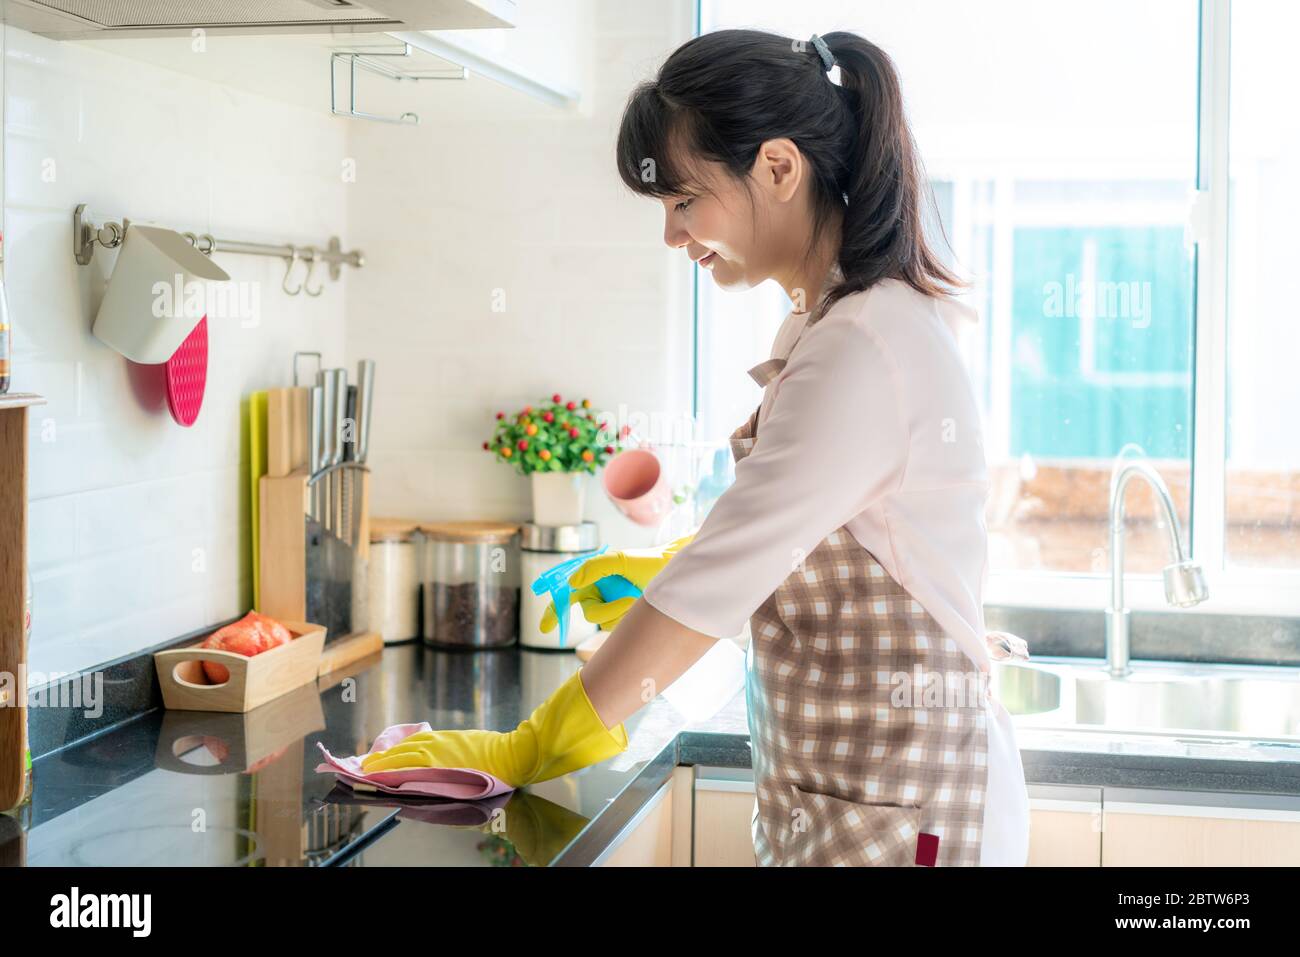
x=1243 y=701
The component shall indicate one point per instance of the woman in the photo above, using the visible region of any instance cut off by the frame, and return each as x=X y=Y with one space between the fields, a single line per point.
x=853 y=538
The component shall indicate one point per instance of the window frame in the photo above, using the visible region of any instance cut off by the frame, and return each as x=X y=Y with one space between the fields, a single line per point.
x=1259 y=591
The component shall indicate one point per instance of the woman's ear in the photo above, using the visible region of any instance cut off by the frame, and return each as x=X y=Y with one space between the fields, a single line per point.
x=778 y=169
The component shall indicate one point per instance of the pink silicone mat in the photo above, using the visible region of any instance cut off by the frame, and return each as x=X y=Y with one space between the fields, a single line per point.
x=187 y=375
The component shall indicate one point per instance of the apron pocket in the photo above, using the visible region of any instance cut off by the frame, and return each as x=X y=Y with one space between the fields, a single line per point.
x=829 y=831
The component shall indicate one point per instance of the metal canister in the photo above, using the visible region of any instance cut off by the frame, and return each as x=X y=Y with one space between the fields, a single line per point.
x=542 y=547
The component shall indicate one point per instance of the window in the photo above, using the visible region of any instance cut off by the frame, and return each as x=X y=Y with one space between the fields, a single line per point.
x=1262 y=482
x=1065 y=145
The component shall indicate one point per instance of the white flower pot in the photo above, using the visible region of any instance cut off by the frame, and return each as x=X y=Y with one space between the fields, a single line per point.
x=559 y=497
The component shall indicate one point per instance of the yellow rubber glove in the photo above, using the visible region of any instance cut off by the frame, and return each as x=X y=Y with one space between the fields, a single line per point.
x=562 y=735
x=636 y=565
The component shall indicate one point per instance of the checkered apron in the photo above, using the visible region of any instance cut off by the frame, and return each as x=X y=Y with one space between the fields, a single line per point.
x=867 y=723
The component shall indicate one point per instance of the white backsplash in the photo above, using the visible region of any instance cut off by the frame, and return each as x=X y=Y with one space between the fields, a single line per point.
x=137 y=525
x=502 y=199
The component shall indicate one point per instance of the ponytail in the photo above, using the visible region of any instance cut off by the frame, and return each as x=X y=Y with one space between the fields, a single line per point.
x=883 y=233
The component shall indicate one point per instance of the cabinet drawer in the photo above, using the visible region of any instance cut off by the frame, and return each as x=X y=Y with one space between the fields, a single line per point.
x=724 y=810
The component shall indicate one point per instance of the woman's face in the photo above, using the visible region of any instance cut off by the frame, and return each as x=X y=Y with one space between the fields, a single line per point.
x=741 y=236
x=717 y=231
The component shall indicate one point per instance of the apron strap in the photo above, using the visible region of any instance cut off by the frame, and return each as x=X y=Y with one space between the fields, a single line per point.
x=766 y=371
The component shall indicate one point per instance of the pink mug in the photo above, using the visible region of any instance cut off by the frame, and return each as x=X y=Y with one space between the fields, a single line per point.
x=634 y=481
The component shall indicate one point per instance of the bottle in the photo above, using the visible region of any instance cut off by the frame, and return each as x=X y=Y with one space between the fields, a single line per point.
x=5 y=344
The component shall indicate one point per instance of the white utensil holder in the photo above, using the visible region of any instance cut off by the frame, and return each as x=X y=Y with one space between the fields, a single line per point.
x=144 y=314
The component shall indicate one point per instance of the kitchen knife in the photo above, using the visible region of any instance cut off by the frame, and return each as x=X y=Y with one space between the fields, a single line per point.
x=329 y=385
x=365 y=400
x=325 y=383
x=340 y=431
x=340 y=414
x=349 y=450
x=316 y=417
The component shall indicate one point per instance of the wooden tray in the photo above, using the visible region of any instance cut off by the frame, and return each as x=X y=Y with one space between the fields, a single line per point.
x=253 y=681
x=239 y=742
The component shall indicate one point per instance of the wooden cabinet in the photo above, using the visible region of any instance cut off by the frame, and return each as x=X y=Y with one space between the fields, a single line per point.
x=702 y=817
x=1199 y=829
x=660 y=834
x=13 y=578
x=1064 y=826
x=724 y=810
x=1065 y=822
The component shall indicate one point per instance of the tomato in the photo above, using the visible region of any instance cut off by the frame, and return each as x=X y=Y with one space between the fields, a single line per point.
x=250 y=636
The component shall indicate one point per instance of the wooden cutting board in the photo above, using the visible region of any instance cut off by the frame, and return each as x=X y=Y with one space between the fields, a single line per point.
x=286 y=430
x=256 y=469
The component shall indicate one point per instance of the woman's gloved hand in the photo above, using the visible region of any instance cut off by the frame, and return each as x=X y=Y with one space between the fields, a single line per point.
x=637 y=565
x=562 y=735
x=1004 y=646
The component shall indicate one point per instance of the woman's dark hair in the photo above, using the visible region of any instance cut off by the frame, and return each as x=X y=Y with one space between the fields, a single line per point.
x=720 y=96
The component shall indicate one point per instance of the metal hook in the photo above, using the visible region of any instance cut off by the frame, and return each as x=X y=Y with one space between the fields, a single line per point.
x=284 y=284
x=311 y=257
x=203 y=242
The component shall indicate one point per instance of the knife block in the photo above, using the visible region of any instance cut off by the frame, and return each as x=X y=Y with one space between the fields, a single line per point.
x=284 y=507
x=13 y=578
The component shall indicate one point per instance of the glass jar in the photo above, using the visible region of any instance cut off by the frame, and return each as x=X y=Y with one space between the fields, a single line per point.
x=393 y=580
x=470 y=584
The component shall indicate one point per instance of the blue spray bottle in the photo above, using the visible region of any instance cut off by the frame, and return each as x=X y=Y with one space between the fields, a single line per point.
x=556 y=582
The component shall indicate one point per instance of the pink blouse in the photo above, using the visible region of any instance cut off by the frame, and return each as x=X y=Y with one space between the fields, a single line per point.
x=872 y=425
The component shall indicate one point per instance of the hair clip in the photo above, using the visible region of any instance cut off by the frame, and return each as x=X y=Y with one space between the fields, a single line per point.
x=828 y=58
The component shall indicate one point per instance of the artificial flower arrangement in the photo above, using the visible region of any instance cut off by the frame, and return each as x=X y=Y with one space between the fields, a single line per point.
x=554 y=436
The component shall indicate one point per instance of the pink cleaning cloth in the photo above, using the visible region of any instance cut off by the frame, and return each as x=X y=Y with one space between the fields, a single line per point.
x=464 y=784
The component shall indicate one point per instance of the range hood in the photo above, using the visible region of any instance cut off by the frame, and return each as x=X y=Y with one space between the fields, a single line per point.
x=102 y=19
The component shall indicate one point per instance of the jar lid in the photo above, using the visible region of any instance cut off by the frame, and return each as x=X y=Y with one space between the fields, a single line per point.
x=392 y=529
x=470 y=532
x=560 y=538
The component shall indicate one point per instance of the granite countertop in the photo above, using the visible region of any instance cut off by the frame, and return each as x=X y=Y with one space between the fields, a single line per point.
x=199 y=788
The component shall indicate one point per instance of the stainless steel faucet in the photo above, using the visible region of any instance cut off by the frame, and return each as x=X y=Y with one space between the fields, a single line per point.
x=1184 y=579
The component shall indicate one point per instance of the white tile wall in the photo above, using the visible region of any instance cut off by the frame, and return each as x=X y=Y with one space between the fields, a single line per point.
x=500 y=193
x=137 y=525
